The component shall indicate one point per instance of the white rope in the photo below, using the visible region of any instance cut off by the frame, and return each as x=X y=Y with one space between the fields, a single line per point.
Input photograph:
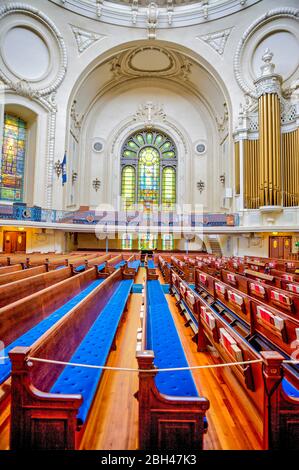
x=128 y=369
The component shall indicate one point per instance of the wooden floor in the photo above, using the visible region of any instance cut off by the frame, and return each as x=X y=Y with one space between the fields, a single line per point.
x=113 y=423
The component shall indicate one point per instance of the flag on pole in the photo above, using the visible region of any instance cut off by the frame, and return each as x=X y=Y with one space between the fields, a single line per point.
x=64 y=169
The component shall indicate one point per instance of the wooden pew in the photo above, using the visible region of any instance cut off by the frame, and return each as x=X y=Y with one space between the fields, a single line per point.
x=117 y=261
x=26 y=273
x=165 y=267
x=281 y=418
x=230 y=345
x=286 y=300
x=267 y=384
x=165 y=422
x=18 y=317
x=41 y=418
x=183 y=268
x=10 y=269
x=19 y=289
x=273 y=324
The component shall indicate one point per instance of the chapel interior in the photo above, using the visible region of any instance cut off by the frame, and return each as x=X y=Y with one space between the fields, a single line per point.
x=149 y=225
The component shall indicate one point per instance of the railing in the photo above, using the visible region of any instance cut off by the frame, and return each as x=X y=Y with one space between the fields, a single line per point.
x=22 y=212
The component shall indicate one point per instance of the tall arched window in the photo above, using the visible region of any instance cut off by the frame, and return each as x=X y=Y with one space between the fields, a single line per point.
x=13 y=159
x=148 y=172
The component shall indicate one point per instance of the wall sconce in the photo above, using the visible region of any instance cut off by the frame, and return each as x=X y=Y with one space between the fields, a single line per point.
x=222 y=178
x=200 y=186
x=58 y=168
x=74 y=176
x=96 y=184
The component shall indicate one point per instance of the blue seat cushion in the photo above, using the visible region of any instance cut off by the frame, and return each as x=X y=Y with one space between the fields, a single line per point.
x=165 y=288
x=60 y=267
x=101 y=267
x=137 y=288
x=290 y=389
x=93 y=350
x=134 y=264
x=121 y=263
x=163 y=339
x=32 y=335
x=150 y=264
x=80 y=269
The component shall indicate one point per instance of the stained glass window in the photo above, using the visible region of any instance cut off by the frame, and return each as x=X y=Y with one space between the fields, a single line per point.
x=147 y=241
x=149 y=176
x=151 y=179
x=13 y=159
x=128 y=183
x=168 y=187
x=167 y=241
x=127 y=241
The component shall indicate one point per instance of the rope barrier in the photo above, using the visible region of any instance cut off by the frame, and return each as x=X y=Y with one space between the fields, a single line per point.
x=132 y=369
x=128 y=369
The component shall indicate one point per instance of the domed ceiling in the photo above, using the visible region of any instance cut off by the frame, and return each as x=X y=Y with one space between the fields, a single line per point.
x=162 y=13
x=162 y=3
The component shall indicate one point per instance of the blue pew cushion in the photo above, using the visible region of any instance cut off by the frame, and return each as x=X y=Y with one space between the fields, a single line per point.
x=134 y=264
x=163 y=339
x=32 y=335
x=121 y=263
x=290 y=389
x=137 y=288
x=80 y=269
x=93 y=350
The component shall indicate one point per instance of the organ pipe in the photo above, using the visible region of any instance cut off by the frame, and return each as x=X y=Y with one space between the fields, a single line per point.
x=290 y=165
x=270 y=178
x=251 y=174
x=237 y=167
x=269 y=167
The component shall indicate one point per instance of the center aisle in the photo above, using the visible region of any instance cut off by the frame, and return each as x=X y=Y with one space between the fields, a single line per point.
x=113 y=423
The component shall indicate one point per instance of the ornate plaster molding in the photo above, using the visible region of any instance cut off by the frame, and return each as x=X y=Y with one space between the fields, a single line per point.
x=22 y=86
x=217 y=40
x=150 y=114
x=175 y=64
x=172 y=14
x=285 y=12
x=85 y=38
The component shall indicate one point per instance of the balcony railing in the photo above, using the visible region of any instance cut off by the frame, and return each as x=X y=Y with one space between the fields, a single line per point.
x=22 y=212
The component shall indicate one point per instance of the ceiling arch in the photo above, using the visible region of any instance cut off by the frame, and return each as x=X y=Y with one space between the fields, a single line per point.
x=158 y=60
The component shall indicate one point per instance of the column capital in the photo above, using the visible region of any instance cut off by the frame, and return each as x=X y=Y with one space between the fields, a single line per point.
x=269 y=81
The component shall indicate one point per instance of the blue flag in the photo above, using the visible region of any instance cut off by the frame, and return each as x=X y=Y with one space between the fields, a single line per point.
x=64 y=169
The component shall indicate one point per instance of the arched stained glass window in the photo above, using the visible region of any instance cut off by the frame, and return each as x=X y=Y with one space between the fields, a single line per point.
x=13 y=159
x=152 y=155
x=128 y=183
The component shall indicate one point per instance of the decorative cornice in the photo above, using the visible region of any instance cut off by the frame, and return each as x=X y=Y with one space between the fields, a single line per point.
x=171 y=14
x=84 y=38
x=217 y=40
x=23 y=86
x=267 y=85
x=272 y=14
